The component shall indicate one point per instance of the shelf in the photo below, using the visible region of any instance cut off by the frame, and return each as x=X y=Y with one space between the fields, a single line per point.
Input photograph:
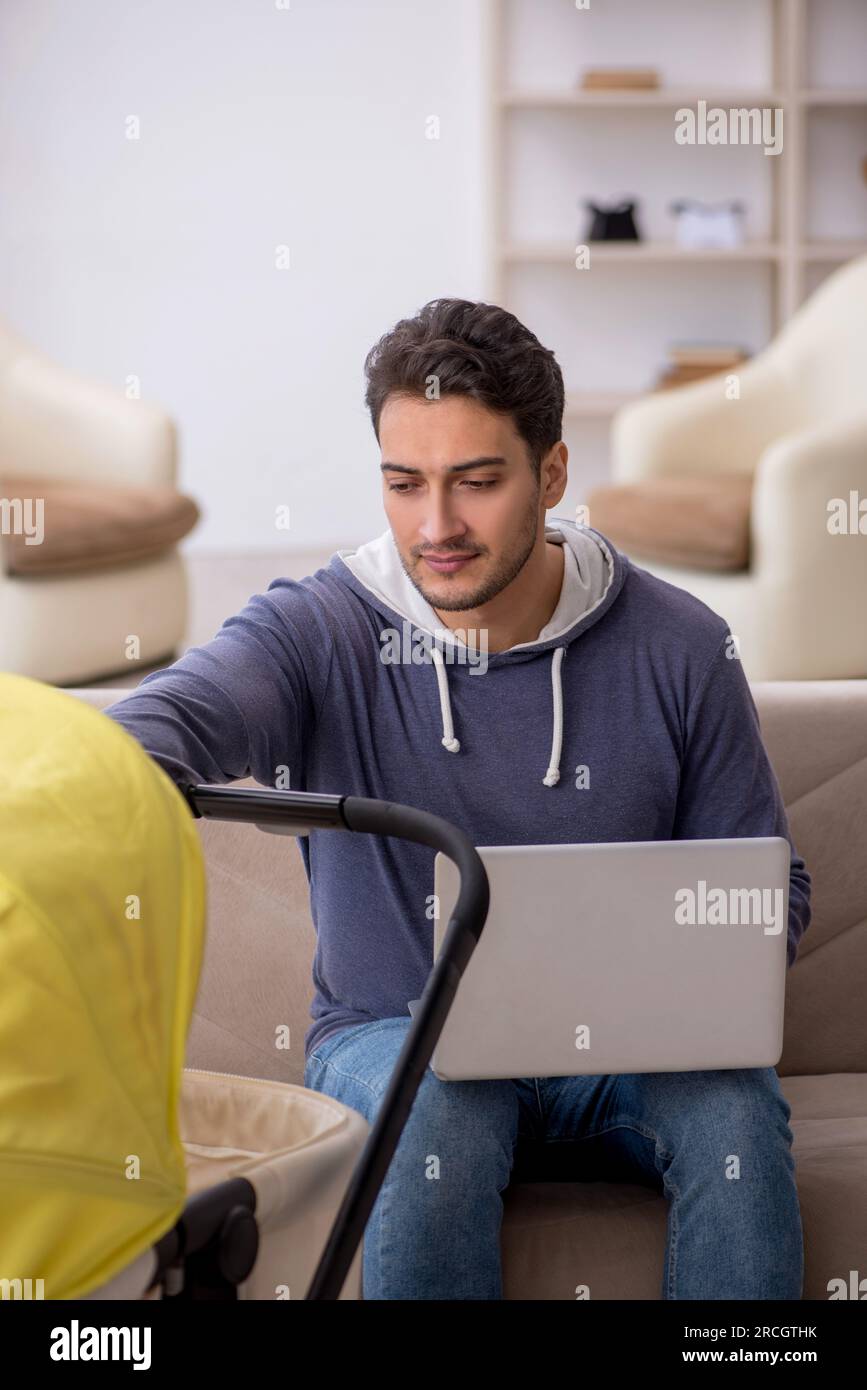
x=637 y=252
x=843 y=97
x=628 y=98
x=832 y=251
x=537 y=144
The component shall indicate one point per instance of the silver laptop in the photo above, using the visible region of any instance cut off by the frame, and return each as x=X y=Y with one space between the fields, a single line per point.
x=662 y=955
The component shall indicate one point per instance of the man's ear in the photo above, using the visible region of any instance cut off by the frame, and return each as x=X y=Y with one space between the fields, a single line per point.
x=555 y=475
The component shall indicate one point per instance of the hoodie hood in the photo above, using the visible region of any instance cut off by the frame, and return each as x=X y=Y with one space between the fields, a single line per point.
x=593 y=575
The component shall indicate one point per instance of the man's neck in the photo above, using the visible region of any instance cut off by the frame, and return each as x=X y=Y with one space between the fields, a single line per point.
x=524 y=607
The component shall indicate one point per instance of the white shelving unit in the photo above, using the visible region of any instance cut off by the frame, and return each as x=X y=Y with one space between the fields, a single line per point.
x=552 y=143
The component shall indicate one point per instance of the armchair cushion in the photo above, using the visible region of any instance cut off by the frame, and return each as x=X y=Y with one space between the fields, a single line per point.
x=86 y=526
x=701 y=521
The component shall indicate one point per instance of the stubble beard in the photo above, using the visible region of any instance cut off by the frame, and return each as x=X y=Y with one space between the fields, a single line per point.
x=508 y=569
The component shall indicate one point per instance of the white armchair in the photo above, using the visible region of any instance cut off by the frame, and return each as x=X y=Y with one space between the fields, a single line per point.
x=56 y=424
x=799 y=427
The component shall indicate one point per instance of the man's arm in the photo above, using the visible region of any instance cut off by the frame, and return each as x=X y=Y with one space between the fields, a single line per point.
x=240 y=705
x=728 y=787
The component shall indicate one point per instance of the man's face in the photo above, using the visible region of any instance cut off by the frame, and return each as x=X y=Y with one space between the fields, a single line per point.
x=458 y=486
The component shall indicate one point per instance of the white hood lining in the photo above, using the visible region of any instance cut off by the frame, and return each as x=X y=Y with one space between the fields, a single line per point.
x=588 y=572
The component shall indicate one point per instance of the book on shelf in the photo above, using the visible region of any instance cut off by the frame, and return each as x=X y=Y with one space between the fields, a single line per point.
x=694 y=361
x=616 y=79
x=704 y=354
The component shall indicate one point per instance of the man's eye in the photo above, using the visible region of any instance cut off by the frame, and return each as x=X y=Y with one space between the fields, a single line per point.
x=475 y=484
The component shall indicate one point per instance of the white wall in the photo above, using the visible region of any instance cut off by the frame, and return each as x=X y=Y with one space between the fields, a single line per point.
x=260 y=126
x=306 y=126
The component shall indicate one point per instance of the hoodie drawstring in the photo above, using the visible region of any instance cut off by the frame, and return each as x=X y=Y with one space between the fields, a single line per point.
x=552 y=776
x=449 y=742
x=448 y=739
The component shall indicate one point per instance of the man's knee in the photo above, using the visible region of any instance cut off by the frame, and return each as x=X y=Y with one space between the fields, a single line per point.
x=465 y=1121
x=727 y=1110
x=461 y=1133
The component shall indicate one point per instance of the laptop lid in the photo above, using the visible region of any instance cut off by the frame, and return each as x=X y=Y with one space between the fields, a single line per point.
x=662 y=955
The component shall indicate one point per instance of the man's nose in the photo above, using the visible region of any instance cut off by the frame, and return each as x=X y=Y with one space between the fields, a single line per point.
x=440 y=523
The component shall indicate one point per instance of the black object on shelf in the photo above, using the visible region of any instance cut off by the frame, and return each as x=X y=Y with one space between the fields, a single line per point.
x=216 y=1239
x=615 y=223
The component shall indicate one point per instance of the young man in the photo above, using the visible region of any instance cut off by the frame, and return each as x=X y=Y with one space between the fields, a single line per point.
x=552 y=652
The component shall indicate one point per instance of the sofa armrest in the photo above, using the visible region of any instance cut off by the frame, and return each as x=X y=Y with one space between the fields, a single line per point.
x=796 y=479
x=59 y=424
x=697 y=429
x=808 y=610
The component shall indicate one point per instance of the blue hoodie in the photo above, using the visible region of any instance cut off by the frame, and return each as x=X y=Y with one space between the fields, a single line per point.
x=628 y=718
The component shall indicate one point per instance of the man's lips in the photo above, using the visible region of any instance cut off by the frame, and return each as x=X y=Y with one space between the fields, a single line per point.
x=448 y=564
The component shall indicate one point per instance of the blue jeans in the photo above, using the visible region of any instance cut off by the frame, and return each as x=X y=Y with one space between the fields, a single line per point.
x=434 y=1232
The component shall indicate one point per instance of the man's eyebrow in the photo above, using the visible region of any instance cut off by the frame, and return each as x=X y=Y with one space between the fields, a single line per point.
x=484 y=462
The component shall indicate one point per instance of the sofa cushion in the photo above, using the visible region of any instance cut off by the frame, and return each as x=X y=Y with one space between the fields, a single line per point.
x=85 y=526
x=700 y=521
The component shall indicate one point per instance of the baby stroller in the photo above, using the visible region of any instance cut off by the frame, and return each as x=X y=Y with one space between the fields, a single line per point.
x=107 y=1146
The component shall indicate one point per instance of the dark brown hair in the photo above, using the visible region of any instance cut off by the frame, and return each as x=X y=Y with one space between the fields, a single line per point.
x=477 y=350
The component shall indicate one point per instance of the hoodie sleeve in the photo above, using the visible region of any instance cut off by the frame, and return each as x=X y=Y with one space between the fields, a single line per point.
x=242 y=704
x=727 y=785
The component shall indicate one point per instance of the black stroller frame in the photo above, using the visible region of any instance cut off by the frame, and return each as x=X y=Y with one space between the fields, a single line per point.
x=213 y=1246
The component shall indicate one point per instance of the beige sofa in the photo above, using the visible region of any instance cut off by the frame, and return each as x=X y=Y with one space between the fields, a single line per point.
x=62 y=425
x=799 y=429
x=257 y=969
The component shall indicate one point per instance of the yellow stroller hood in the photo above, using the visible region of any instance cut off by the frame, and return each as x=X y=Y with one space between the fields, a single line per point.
x=102 y=901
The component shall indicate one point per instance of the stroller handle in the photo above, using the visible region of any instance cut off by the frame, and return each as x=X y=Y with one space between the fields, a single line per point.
x=296 y=811
x=277 y=810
